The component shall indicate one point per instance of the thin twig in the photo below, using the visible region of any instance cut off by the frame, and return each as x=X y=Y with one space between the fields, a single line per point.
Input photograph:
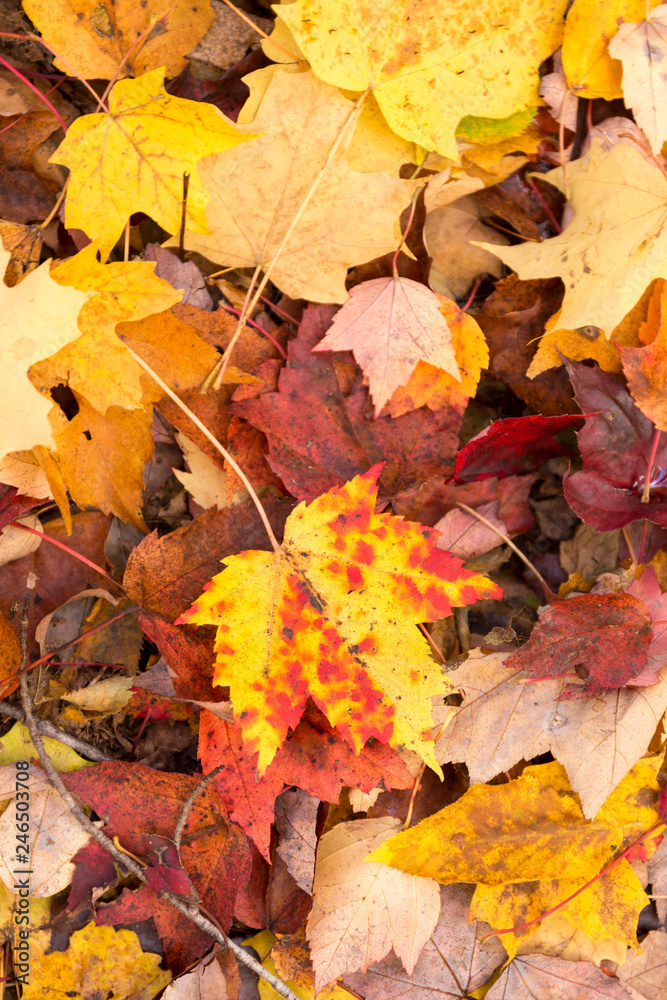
x=462 y=628
x=53 y=733
x=55 y=208
x=66 y=548
x=508 y=541
x=260 y=31
x=190 y=911
x=42 y=97
x=194 y=794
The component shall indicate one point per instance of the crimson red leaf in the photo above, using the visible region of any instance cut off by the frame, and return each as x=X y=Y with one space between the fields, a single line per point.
x=138 y=800
x=518 y=444
x=615 y=446
x=313 y=757
x=603 y=638
x=320 y=428
x=165 y=872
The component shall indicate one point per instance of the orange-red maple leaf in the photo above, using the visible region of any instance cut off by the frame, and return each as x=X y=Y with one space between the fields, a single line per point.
x=333 y=615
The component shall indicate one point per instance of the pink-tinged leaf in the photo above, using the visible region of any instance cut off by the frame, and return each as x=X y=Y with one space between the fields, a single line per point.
x=602 y=638
x=165 y=872
x=508 y=447
x=465 y=536
x=390 y=324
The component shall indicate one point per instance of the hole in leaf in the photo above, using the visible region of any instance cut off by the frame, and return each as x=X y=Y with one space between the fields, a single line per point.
x=66 y=400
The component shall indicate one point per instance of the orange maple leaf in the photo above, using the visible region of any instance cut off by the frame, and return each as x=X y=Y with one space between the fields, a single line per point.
x=332 y=615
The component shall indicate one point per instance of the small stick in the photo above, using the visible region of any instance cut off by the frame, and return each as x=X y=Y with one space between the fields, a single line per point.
x=184 y=205
x=646 y=495
x=508 y=541
x=187 y=805
x=48 y=729
x=462 y=629
x=126 y=248
x=631 y=550
x=42 y=97
x=552 y=218
x=55 y=208
x=408 y=227
x=188 y=910
x=432 y=642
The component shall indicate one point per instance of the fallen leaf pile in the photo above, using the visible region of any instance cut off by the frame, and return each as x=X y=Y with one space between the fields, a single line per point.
x=333 y=499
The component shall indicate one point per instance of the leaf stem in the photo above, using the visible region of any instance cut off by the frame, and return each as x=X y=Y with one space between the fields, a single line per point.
x=646 y=495
x=216 y=444
x=352 y=117
x=55 y=208
x=408 y=227
x=508 y=541
x=42 y=97
x=66 y=548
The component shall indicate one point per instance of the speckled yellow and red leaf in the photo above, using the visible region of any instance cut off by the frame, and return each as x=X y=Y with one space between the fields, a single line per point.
x=333 y=616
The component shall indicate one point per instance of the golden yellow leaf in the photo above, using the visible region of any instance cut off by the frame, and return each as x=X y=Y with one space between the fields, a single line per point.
x=642 y=48
x=497 y=159
x=97 y=365
x=259 y=191
x=590 y=25
x=615 y=245
x=590 y=341
x=102 y=458
x=17 y=745
x=290 y=961
x=332 y=616
x=39 y=317
x=133 y=160
x=602 y=920
x=362 y=909
x=495 y=834
x=94 y=37
x=99 y=961
x=601 y=923
x=429 y=65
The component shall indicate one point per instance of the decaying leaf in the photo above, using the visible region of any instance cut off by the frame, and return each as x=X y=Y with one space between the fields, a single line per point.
x=362 y=910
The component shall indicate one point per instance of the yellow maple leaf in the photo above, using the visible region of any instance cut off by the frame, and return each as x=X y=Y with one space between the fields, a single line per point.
x=427 y=64
x=99 y=961
x=499 y=834
x=601 y=922
x=590 y=69
x=332 y=615
x=642 y=48
x=263 y=194
x=133 y=159
x=96 y=365
x=94 y=37
x=615 y=245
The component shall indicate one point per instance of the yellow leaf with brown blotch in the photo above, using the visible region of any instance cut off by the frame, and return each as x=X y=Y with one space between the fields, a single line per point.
x=332 y=615
x=133 y=160
x=429 y=65
x=499 y=834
